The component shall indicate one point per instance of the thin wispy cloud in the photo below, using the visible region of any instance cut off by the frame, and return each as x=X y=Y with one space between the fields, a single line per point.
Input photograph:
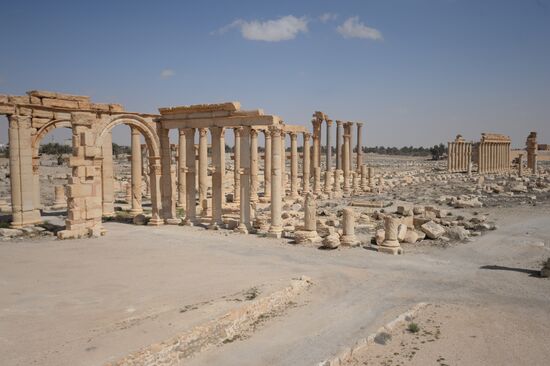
x=167 y=73
x=282 y=29
x=327 y=17
x=353 y=28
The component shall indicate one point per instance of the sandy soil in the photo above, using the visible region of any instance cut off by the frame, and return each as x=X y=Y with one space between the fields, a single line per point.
x=85 y=302
x=465 y=334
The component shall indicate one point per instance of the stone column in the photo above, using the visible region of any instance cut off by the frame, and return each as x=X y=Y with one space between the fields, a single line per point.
x=218 y=174
x=237 y=164
x=245 y=223
x=283 y=162
x=267 y=166
x=203 y=170
x=190 y=178
x=345 y=158
x=181 y=168
x=154 y=181
x=350 y=146
x=348 y=236
x=316 y=154
x=364 y=183
x=390 y=243
x=520 y=165
x=37 y=202
x=338 y=144
x=328 y=178
x=107 y=181
x=532 y=147
x=306 y=165
x=371 y=177
x=337 y=188
x=469 y=159
x=136 y=172
x=294 y=165
x=276 y=228
x=359 y=146
x=168 y=205
x=449 y=156
x=254 y=170
x=329 y=146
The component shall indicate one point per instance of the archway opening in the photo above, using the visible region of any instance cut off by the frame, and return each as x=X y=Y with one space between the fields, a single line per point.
x=54 y=149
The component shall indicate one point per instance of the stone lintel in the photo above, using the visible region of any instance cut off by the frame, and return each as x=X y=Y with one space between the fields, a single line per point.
x=201 y=108
x=54 y=95
x=233 y=121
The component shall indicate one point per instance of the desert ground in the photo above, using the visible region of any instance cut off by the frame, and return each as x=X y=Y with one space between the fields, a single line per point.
x=95 y=301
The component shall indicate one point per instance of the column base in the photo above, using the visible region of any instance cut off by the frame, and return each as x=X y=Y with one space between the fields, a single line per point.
x=390 y=250
x=27 y=218
x=136 y=211
x=265 y=199
x=242 y=229
x=275 y=232
x=190 y=222
x=155 y=222
x=349 y=240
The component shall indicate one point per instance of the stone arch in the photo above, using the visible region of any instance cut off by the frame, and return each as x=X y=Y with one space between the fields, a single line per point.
x=141 y=124
x=148 y=129
x=35 y=148
x=47 y=128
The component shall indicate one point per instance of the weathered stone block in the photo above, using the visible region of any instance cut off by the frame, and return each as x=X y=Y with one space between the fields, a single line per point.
x=35 y=100
x=3 y=98
x=39 y=122
x=79 y=190
x=99 y=106
x=39 y=113
x=60 y=103
x=7 y=109
x=62 y=115
x=15 y=99
x=91 y=151
x=116 y=108
x=432 y=230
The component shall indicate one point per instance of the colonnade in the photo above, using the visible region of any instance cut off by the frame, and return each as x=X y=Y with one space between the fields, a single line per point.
x=459 y=155
x=344 y=151
x=494 y=154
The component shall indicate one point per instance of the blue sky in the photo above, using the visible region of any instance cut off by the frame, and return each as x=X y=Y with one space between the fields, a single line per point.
x=416 y=71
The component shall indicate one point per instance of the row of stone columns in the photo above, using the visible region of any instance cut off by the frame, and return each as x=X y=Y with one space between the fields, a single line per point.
x=317 y=122
x=459 y=156
x=494 y=157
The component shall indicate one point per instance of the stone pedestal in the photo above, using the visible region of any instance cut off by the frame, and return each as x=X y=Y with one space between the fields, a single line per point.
x=309 y=233
x=390 y=243
x=348 y=237
x=60 y=201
